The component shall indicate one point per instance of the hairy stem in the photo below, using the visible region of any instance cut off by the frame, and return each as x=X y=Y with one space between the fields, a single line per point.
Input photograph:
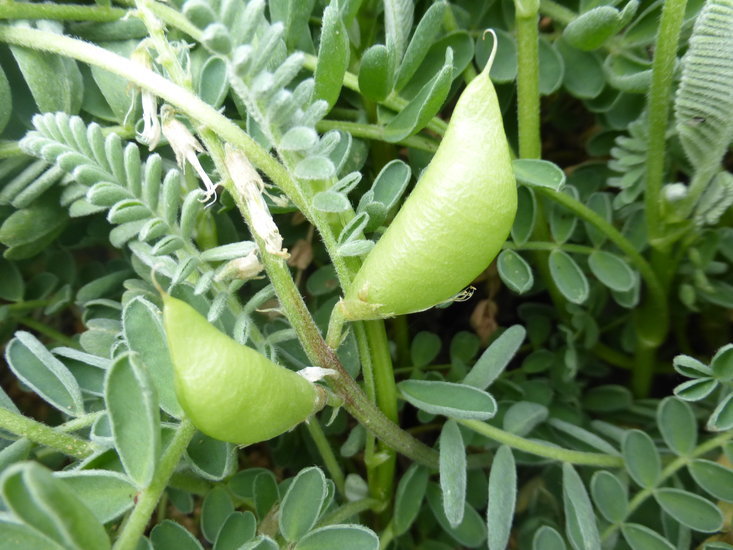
x=528 y=85
x=660 y=92
x=148 y=498
x=45 y=435
x=68 y=12
x=381 y=480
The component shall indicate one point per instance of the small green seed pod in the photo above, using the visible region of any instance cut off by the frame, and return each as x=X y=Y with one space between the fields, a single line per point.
x=229 y=391
x=453 y=223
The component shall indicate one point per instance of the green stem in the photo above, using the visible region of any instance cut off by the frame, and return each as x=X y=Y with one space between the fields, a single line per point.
x=671 y=469
x=166 y=56
x=81 y=422
x=613 y=357
x=326 y=452
x=10 y=149
x=381 y=476
x=49 y=332
x=148 y=498
x=528 y=85
x=642 y=374
x=557 y=12
x=45 y=435
x=68 y=12
x=375 y=132
x=660 y=91
x=541 y=449
x=348 y=510
x=30 y=304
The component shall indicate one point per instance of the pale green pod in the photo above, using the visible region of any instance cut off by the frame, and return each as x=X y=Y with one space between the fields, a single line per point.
x=229 y=391
x=454 y=222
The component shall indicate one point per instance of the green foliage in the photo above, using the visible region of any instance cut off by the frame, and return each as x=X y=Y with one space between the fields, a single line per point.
x=582 y=398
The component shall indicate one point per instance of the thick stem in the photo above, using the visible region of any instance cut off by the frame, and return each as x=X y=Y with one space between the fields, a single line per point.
x=148 y=498
x=660 y=91
x=528 y=86
x=381 y=480
x=45 y=435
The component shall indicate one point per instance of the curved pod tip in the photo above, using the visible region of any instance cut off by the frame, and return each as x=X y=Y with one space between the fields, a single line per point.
x=229 y=391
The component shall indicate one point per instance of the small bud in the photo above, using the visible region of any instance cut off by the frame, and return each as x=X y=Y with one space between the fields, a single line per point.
x=250 y=186
x=185 y=146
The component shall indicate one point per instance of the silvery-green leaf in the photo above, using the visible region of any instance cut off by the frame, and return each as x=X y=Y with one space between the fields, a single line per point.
x=449 y=399
x=502 y=498
x=452 y=467
x=302 y=503
x=32 y=363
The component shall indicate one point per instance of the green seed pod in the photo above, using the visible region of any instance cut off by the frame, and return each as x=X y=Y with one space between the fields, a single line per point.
x=453 y=223
x=229 y=391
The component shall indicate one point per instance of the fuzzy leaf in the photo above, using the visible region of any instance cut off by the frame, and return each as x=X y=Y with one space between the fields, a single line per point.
x=514 y=271
x=496 y=357
x=449 y=399
x=333 y=56
x=452 y=466
x=502 y=498
x=609 y=495
x=302 y=503
x=37 y=498
x=568 y=277
x=215 y=510
x=338 y=537
x=642 y=458
x=691 y=510
x=132 y=405
x=36 y=367
x=580 y=520
x=704 y=100
x=409 y=497
x=678 y=426
x=424 y=105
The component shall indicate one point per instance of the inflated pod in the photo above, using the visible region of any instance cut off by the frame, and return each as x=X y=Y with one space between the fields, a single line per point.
x=230 y=391
x=454 y=222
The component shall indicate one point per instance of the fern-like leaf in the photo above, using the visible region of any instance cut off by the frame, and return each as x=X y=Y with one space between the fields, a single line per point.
x=704 y=102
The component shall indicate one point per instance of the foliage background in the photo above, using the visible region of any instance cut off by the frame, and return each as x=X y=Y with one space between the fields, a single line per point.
x=581 y=398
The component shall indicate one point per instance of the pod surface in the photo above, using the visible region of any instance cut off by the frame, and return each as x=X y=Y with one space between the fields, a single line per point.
x=453 y=223
x=230 y=391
